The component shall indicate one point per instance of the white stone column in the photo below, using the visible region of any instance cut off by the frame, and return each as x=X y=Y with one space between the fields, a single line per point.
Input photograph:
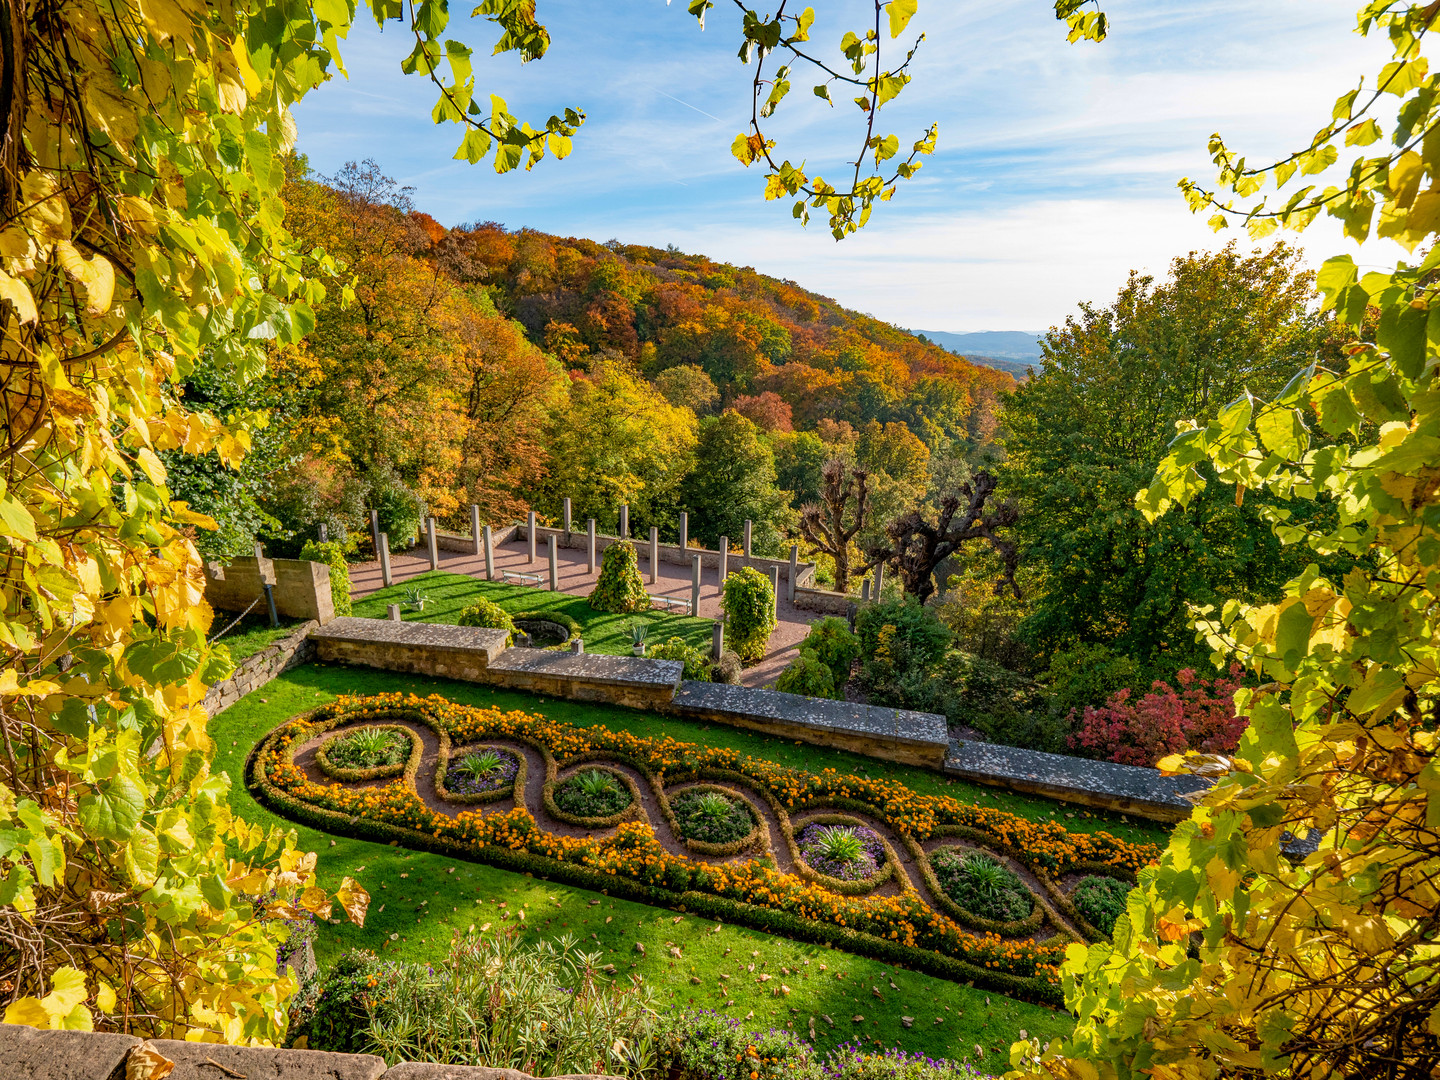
x=385 y=559
x=489 y=541
x=794 y=569
x=624 y=520
x=747 y=541
x=530 y=534
x=654 y=554
x=434 y=542
x=717 y=640
x=590 y=544
x=724 y=560
x=566 y=515
x=775 y=589
x=475 y=527
x=554 y=565
x=695 y=585
x=684 y=530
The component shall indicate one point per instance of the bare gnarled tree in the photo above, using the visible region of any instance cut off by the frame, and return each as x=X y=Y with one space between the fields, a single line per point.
x=917 y=547
x=823 y=524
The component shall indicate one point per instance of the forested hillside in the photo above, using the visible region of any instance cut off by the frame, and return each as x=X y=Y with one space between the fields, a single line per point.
x=513 y=368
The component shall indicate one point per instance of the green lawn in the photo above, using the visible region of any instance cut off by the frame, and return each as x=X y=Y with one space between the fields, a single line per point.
x=420 y=900
x=251 y=634
x=449 y=594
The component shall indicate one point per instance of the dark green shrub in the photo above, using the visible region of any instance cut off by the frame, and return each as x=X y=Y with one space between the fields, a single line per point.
x=697 y=664
x=592 y=793
x=332 y=554
x=400 y=509
x=368 y=747
x=749 y=606
x=982 y=885
x=711 y=817
x=727 y=669
x=1090 y=674
x=337 y=1016
x=487 y=613
x=807 y=675
x=1100 y=901
x=1003 y=705
x=619 y=587
x=835 y=646
x=897 y=637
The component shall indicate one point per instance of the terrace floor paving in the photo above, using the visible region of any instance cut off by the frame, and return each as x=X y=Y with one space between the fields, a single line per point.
x=575 y=578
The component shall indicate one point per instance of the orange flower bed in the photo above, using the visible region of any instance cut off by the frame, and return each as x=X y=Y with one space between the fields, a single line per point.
x=633 y=852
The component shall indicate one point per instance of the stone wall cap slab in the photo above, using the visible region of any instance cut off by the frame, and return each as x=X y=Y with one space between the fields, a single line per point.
x=482 y=639
x=28 y=1053
x=592 y=667
x=197 y=1061
x=819 y=714
x=415 y=1070
x=990 y=762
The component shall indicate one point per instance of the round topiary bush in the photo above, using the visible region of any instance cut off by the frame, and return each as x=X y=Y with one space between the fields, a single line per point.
x=697 y=664
x=727 y=669
x=982 y=885
x=749 y=606
x=1100 y=901
x=592 y=793
x=619 y=587
x=807 y=675
x=711 y=817
x=487 y=613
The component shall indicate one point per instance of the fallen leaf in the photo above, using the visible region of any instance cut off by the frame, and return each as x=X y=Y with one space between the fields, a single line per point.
x=857 y=1018
x=908 y=1021
x=147 y=1063
x=640 y=948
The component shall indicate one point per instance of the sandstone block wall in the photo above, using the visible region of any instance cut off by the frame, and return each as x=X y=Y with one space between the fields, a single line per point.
x=301 y=588
x=255 y=671
x=33 y=1054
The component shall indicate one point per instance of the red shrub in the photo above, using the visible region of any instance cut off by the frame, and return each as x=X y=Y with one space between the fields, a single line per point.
x=1201 y=716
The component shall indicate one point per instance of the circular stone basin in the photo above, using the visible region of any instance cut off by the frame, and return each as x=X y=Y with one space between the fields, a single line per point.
x=543 y=631
x=711 y=817
x=846 y=852
x=485 y=768
x=593 y=793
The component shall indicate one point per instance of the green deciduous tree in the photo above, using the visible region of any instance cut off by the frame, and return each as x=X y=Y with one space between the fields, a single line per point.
x=1087 y=430
x=733 y=481
x=1235 y=957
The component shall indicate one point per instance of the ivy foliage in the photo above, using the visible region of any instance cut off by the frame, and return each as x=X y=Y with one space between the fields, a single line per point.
x=1231 y=958
x=490 y=614
x=619 y=587
x=332 y=554
x=749 y=605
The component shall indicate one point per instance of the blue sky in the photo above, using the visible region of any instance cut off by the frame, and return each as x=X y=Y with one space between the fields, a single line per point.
x=1055 y=172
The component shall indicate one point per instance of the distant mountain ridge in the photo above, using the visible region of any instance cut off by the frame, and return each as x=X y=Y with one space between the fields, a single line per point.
x=1011 y=351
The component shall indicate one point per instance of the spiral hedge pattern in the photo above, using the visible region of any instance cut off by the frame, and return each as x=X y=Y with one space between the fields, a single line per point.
x=899 y=914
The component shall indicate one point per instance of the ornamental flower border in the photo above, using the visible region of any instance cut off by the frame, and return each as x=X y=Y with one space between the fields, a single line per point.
x=631 y=862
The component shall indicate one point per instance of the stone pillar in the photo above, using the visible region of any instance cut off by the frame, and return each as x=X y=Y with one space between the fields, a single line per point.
x=775 y=589
x=392 y=612
x=717 y=640
x=475 y=527
x=489 y=543
x=433 y=541
x=565 y=513
x=695 y=585
x=324 y=531
x=577 y=646
x=385 y=559
x=530 y=534
x=747 y=541
x=684 y=530
x=375 y=531
x=865 y=589
x=654 y=554
x=554 y=564
x=724 y=560
x=794 y=570
x=590 y=544
x=624 y=520
x=879 y=581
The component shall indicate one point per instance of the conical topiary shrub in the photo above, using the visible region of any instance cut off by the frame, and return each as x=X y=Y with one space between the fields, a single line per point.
x=619 y=587
x=749 y=606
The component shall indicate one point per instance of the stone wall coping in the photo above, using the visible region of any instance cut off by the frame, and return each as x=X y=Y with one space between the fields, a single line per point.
x=479 y=639
x=1141 y=790
x=592 y=667
x=28 y=1053
x=822 y=714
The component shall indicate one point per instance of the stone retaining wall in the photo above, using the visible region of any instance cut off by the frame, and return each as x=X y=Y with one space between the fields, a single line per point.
x=255 y=671
x=301 y=588
x=28 y=1053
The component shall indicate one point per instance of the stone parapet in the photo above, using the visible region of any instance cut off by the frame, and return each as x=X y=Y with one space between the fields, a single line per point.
x=911 y=738
x=28 y=1053
x=451 y=652
x=1129 y=789
x=300 y=588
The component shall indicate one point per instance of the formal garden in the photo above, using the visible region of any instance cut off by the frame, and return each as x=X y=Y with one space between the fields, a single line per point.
x=775 y=884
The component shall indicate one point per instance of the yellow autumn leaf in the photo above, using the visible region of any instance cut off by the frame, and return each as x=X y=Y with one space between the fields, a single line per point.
x=95 y=274
x=18 y=293
x=105 y=997
x=147 y=1063
x=354 y=899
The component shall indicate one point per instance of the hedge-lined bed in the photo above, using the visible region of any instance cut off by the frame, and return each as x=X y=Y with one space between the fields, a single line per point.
x=633 y=863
